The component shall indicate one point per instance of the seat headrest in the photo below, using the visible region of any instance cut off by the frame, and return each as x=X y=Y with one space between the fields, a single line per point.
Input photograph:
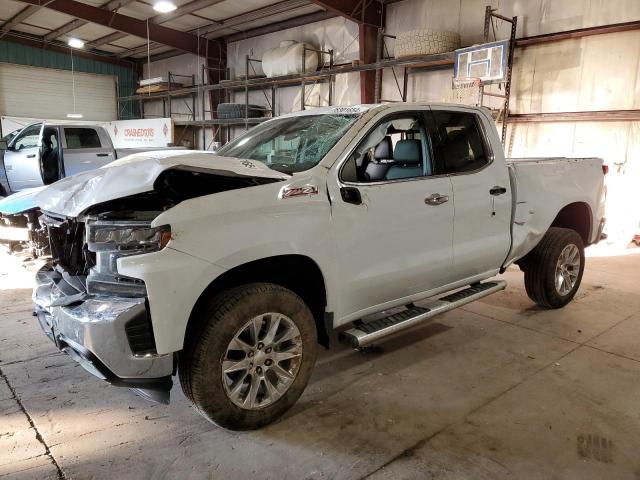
x=383 y=149
x=408 y=152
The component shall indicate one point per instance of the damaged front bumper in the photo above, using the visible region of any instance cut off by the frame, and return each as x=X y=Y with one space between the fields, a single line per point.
x=110 y=337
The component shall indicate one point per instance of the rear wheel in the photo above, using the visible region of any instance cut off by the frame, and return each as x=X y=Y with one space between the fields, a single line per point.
x=252 y=357
x=554 y=268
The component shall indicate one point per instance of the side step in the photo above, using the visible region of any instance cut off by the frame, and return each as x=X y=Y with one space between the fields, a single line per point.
x=367 y=333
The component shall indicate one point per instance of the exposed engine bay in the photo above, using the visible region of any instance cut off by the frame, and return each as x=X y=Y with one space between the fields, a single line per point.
x=32 y=234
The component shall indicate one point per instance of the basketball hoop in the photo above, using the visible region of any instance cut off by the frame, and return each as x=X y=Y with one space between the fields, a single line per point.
x=466 y=92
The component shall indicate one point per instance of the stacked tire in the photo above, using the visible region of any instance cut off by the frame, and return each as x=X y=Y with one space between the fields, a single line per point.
x=425 y=42
x=239 y=110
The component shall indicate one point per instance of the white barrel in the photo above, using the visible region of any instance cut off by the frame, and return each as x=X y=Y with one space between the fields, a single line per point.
x=287 y=59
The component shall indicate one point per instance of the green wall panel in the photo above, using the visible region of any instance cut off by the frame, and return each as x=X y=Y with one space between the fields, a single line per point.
x=38 y=57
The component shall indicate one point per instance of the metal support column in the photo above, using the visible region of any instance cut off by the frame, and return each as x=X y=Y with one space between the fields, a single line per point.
x=330 y=77
x=405 y=84
x=378 y=81
x=246 y=95
x=507 y=87
x=304 y=69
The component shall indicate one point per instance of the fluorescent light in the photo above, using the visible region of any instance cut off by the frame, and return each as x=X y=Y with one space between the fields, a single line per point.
x=75 y=42
x=164 y=6
x=74 y=115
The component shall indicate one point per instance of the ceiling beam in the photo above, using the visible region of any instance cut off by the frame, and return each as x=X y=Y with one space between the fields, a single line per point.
x=113 y=5
x=159 y=19
x=233 y=22
x=129 y=25
x=283 y=25
x=367 y=12
x=37 y=42
x=185 y=9
x=112 y=37
x=18 y=18
x=239 y=20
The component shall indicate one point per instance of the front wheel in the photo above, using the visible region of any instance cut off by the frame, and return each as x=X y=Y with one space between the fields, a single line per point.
x=251 y=358
x=554 y=268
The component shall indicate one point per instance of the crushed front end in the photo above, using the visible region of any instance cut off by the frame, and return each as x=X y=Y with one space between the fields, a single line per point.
x=22 y=233
x=97 y=316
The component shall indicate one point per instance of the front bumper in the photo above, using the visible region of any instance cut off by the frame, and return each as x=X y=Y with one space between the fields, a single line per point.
x=93 y=331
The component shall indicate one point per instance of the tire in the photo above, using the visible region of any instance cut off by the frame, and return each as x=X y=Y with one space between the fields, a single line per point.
x=222 y=321
x=238 y=110
x=540 y=274
x=425 y=42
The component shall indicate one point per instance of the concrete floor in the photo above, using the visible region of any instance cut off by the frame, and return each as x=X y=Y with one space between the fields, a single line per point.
x=500 y=389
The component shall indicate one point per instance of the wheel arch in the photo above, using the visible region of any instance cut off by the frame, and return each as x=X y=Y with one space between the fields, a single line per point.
x=298 y=273
x=576 y=216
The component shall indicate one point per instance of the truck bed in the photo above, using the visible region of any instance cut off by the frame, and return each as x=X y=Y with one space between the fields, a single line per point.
x=542 y=187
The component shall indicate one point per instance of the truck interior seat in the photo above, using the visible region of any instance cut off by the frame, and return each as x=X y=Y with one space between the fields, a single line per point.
x=49 y=161
x=407 y=160
x=382 y=160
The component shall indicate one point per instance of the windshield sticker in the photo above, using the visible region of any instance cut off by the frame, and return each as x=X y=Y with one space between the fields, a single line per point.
x=348 y=110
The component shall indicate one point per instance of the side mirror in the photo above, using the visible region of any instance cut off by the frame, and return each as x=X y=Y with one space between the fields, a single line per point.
x=4 y=145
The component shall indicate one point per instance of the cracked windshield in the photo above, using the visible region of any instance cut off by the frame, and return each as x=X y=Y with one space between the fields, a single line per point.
x=291 y=144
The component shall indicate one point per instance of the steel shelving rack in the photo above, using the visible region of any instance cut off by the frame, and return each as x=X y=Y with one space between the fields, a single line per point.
x=224 y=88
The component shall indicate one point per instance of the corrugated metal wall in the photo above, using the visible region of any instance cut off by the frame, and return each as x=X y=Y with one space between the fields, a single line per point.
x=37 y=57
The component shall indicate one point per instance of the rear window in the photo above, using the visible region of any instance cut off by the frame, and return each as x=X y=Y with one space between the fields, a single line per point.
x=82 y=138
x=461 y=148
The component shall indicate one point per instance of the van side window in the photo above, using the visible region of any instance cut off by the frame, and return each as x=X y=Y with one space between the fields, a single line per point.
x=460 y=147
x=82 y=138
x=396 y=148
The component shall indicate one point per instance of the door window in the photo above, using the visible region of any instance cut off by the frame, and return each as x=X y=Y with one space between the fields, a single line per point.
x=460 y=147
x=396 y=148
x=82 y=138
x=28 y=138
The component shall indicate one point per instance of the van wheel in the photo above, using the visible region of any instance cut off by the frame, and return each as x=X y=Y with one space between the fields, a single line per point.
x=252 y=356
x=554 y=268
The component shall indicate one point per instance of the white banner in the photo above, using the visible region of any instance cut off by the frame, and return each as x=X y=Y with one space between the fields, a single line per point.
x=147 y=132
x=143 y=133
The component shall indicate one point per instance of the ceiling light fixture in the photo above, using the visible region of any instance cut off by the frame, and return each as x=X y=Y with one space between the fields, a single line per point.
x=73 y=90
x=75 y=42
x=164 y=6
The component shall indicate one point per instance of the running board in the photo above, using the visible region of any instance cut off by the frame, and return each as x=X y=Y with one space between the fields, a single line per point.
x=367 y=333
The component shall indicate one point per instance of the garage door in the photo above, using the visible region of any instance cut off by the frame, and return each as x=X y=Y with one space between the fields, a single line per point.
x=46 y=93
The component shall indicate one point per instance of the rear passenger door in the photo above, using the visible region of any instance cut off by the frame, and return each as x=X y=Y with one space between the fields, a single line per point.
x=85 y=149
x=481 y=191
x=393 y=234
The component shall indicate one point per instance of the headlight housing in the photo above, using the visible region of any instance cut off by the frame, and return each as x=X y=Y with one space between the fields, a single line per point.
x=134 y=235
x=110 y=240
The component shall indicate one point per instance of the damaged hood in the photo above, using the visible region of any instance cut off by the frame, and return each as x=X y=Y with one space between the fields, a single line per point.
x=20 y=202
x=136 y=174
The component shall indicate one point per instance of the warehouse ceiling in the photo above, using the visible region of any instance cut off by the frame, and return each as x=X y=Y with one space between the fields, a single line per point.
x=119 y=28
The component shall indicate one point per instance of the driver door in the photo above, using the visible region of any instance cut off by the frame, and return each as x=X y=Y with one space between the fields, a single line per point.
x=22 y=159
x=393 y=232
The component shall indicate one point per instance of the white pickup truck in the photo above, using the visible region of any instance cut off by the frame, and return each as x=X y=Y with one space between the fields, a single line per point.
x=231 y=269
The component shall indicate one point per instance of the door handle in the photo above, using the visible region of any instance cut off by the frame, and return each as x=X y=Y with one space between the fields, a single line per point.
x=102 y=154
x=495 y=191
x=436 y=199
x=33 y=155
x=351 y=195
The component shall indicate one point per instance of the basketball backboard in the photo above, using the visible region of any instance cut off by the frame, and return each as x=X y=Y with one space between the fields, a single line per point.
x=486 y=62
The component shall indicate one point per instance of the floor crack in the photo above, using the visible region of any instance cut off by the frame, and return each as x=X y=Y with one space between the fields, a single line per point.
x=39 y=437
